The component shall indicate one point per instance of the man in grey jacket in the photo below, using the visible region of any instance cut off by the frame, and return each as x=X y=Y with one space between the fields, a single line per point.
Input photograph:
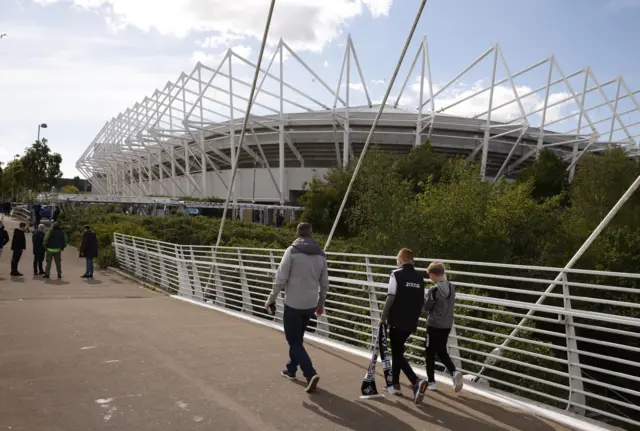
x=303 y=276
x=440 y=304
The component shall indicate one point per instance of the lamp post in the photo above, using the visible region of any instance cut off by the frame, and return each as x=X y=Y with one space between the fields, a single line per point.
x=44 y=126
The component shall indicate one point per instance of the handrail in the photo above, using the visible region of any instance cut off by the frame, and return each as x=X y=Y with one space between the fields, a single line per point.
x=543 y=362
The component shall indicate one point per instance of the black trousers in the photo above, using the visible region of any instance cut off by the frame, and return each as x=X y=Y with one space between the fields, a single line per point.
x=38 y=260
x=399 y=338
x=15 y=259
x=437 y=343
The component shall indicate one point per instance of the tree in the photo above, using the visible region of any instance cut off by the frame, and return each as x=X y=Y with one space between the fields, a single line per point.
x=548 y=175
x=41 y=167
x=13 y=179
x=421 y=165
x=322 y=199
x=70 y=189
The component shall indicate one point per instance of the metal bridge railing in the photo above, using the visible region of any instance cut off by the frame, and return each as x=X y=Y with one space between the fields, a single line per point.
x=579 y=351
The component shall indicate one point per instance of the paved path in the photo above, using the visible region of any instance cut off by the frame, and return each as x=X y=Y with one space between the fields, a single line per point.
x=106 y=354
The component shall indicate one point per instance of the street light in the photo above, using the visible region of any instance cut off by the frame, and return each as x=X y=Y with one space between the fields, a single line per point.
x=44 y=126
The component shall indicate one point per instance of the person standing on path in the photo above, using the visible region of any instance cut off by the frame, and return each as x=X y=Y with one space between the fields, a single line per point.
x=37 y=214
x=4 y=237
x=89 y=250
x=303 y=275
x=55 y=242
x=37 y=240
x=402 y=310
x=440 y=304
x=18 y=245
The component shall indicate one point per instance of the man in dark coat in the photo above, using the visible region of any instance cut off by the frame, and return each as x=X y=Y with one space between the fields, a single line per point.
x=89 y=250
x=37 y=208
x=4 y=237
x=37 y=240
x=55 y=242
x=18 y=245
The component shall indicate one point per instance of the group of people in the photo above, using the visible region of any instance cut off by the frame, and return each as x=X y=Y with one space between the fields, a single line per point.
x=47 y=245
x=303 y=276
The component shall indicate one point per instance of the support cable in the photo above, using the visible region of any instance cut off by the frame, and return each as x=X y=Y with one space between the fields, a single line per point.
x=375 y=121
x=246 y=119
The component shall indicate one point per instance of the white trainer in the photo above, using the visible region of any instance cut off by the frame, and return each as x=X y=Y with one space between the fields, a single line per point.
x=394 y=391
x=457 y=381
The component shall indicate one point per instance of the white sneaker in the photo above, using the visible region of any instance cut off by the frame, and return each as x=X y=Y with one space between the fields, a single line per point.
x=432 y=386
x=457 y=381
x=394 y=391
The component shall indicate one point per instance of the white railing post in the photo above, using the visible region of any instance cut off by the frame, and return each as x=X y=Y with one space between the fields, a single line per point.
x=136 y=257
x=198 y=293
x=163 y=268
x=279 y=300
x=218 y=280
x=322 y=324
x=117 y=245
x=576 y=388
x=376 y=314
x=247 y=306
x=183 y=275
x=453 y=348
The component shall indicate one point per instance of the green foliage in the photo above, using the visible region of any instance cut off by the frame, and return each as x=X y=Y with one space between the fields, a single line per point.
x=548 y=175
x=70 y=189
x=41 y=167
x=322 y=200
x=36 y=171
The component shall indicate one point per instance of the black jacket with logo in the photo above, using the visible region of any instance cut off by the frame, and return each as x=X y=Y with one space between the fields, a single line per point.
x=407 y=285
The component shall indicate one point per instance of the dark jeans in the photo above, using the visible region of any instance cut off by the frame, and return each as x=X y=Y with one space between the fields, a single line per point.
x=89 y=270
x=295 y=324
x=399 y=338
x=15 y=259
x=38 y=260
x=437 y=343
x=57 y=257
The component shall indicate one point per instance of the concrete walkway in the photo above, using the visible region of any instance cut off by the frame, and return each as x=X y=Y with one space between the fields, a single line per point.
x=80 y=355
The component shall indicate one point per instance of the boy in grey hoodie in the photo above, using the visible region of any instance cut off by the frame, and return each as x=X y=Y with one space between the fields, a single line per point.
x=440 y=305
x=304 y=277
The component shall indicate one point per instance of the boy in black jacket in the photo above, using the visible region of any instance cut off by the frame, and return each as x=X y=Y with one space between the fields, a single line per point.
x=402 y=310
x=18 y=245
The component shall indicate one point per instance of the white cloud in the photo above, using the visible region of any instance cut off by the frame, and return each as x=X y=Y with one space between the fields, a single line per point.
x=378 y=81
x=325 y=64
x=213 y=60
x=382 y=7
x=304 y=24
x=501 y=94
x=356 y=86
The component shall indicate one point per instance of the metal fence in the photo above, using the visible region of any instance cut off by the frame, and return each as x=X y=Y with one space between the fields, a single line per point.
x=573 y=346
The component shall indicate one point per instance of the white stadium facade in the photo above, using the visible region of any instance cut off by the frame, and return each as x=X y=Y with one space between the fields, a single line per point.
x=182 y=139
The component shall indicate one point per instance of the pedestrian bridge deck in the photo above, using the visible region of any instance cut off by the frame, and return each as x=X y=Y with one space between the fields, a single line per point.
x=108 y=354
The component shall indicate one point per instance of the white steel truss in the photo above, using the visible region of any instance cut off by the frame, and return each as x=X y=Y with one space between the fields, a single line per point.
x=183 y=139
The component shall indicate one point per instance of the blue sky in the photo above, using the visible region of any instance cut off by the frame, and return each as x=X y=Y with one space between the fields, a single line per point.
x=76 y=63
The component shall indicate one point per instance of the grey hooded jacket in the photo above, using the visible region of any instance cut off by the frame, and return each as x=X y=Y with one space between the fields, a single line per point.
x=441 y=300
x=303 y=275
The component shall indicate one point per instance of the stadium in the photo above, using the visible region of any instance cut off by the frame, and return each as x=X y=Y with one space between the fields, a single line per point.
x=177 y=142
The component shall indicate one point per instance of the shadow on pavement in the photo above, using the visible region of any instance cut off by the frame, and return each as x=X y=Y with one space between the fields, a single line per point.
x=94 y=282
x=360 y=415
x=56 y=282
x=516 y=420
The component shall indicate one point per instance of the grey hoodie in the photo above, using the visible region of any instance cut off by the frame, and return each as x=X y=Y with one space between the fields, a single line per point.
x=302 y=271
x=441 y=300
